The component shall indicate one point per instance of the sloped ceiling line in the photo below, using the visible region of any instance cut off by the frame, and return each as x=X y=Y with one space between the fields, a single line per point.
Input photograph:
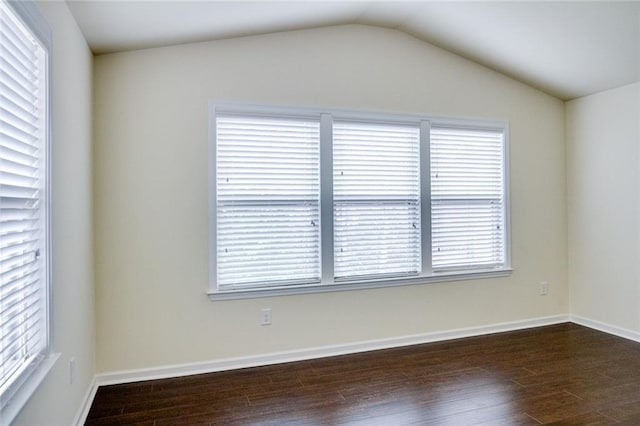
x=567 y=49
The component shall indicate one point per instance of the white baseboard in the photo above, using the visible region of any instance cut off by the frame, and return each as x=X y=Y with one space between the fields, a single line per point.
x=178 y=370
x=81 y=417
x=607 y=328
x=164 y=372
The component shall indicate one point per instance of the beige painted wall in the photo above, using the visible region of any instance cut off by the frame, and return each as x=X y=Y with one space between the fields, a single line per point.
x=56 y=402
x=603 y=139
x=150 y=157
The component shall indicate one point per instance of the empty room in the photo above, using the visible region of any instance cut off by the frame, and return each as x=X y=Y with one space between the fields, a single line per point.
x=319 y=212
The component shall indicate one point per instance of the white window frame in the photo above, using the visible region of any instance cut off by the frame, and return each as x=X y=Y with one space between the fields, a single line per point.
x=327 y=116
x=33 y=374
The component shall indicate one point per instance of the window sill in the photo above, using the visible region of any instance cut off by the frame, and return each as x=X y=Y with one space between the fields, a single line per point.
x=354 y=285
x=18 y=400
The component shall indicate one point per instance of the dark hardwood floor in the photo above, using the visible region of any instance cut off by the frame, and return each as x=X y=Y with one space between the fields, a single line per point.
x=564 y=374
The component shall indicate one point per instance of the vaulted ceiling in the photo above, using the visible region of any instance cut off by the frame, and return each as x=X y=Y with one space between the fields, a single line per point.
x=567 y=49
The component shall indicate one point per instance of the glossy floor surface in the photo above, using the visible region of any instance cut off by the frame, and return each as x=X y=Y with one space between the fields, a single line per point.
x=564 y=373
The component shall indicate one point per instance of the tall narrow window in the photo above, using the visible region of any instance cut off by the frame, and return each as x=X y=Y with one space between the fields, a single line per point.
x=267 y=201
x=376 y=193
x=24 y=277
x=467 y=198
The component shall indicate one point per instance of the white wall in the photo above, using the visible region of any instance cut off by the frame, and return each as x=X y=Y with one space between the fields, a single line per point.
x=150 y=187
x=56 y=402
x=603 y=139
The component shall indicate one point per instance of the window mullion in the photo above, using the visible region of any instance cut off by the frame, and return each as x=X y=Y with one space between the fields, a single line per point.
x=213 y=202
x=425 y=196
x=326 y=197
x=506 y=194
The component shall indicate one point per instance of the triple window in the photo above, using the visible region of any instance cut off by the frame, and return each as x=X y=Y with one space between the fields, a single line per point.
x=306 y=200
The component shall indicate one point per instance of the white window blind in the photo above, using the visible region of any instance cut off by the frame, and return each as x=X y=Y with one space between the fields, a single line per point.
x=376 y=193
x=23 y=212
x=268 y=201
x=467 y=198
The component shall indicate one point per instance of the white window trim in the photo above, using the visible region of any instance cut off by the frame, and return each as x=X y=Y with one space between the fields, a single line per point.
x=28 y=12
x=326 y=117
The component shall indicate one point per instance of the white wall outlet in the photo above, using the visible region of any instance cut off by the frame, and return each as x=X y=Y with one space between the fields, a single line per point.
x=544 y=288
x=72 y=370
x=265 y=316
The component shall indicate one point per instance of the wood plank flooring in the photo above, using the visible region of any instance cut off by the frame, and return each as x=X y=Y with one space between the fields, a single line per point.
x=563 y=374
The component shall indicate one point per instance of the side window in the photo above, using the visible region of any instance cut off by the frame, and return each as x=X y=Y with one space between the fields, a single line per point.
x=24 y=202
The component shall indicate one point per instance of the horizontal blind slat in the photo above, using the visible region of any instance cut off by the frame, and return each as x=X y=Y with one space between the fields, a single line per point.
x=16 y=102
x=29 y=332
x=16 y=74
x=17 y=37
x=17 y=88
